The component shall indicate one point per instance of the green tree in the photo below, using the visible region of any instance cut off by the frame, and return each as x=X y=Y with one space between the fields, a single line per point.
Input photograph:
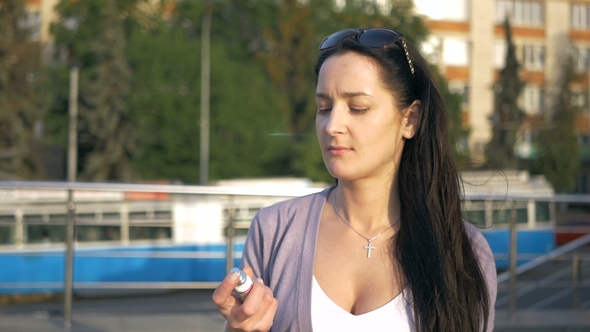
x=559 y=150
x=245 y=127
x=164 y=102
x=20 y=96
x=95 y=35
x=507 y=117
x=104 y=109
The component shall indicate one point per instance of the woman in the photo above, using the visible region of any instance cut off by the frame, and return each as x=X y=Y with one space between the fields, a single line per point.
x=386 y=249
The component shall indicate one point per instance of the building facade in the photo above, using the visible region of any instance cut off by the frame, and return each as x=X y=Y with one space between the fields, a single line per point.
x=40 y=15
x=468 y=44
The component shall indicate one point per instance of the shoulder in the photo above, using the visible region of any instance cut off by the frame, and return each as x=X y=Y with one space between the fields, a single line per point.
x=479 y=243
x=475 y=236
x=291 y=216
x=288 y=209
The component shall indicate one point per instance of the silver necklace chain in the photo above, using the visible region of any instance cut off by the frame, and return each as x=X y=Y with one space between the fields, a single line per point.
x=369 y=247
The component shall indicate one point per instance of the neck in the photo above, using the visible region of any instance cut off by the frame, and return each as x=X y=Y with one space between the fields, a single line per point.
x=368 y=208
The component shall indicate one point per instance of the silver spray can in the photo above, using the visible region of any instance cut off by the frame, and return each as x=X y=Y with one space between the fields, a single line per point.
x=244 y=285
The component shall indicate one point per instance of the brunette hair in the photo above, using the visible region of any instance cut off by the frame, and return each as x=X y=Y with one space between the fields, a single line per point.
x=448 y=288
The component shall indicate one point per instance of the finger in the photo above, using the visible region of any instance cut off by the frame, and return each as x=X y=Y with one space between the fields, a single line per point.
x=252 y=303
x=258 y=311
x=249 y=271
x=267 y=309
x=222 y=295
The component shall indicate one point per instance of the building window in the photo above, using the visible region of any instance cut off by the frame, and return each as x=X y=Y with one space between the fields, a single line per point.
x=32 y=22
x=534 y=57
x=520 y=12
x=580 y=58
x=578 y=99
x=448 y=10
x=461 y=89
x=432 y=49
x=455 y=52
x=500 y=54
x=533 y=99
x=580 y=16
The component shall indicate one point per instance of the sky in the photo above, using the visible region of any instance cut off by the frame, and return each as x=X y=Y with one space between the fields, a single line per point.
x=442 y=9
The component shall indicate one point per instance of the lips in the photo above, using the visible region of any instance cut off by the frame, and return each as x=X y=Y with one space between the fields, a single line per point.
x=338 y=150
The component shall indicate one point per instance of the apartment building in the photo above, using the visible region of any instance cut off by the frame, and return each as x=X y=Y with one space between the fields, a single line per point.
x=468 y=43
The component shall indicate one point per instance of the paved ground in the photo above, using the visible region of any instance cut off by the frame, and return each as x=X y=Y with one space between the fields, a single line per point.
x=551 y=286
x=170 y=312
x=194 y=311
x=546 y=301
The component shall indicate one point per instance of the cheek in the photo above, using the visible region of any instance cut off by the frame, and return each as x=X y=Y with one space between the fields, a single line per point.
x=387 y=138
x=319 y=126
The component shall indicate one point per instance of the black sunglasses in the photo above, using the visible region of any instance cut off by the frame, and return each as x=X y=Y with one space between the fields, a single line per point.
x=374 y=38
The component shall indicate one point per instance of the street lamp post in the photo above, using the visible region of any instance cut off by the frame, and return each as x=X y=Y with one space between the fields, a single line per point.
x=205 y=92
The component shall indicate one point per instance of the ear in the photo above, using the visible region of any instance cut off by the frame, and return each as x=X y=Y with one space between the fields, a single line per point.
x=411 y=119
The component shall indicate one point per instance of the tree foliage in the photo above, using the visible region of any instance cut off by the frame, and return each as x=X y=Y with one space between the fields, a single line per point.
x=507 y=116
x=21 y=98
x=559 y=151
x=105 y=109
x=458 y=133
x=166 y=103
x=95 y=36
x=140 y=83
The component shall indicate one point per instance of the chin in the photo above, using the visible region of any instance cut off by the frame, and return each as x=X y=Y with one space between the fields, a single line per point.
x=340 y=174
x=339 y=169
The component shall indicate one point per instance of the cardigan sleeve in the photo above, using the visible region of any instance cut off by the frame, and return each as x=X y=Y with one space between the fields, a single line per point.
x=488 y=267
x=252 y=254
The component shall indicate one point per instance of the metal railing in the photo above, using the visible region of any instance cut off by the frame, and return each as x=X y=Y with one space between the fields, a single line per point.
x=512 y=279
x=70 y=206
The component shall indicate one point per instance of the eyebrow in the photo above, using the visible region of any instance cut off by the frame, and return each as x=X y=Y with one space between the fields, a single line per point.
x=346 y=94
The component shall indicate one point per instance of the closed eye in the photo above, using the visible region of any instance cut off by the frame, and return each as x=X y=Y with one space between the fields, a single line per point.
x=359 y=110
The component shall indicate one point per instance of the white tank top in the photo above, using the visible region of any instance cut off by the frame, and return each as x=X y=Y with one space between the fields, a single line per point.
x=327 y=316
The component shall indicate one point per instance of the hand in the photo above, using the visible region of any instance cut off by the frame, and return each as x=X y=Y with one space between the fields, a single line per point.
x=255 y=314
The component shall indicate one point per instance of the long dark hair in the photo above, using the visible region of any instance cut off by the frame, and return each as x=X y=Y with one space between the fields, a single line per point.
x=448 y=289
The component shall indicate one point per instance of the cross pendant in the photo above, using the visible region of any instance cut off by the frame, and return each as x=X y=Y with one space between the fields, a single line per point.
x=369 y=247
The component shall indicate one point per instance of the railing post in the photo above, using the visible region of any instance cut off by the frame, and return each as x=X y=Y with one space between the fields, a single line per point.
x=513 y=258
x=489 y=212
x=124 y=226
x=230 y=232
x=575 y=279
x=69 y=260
x=19 y=236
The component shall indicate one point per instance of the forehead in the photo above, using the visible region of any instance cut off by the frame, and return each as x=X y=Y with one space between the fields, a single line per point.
x=349 y=71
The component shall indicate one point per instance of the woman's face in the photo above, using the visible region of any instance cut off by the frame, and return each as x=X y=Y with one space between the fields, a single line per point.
x=360 y=130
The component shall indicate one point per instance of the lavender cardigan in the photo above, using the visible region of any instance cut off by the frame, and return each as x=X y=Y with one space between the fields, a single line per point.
x=280 y=248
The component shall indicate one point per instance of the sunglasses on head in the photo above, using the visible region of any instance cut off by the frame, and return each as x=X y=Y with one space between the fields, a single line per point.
x=373 y=38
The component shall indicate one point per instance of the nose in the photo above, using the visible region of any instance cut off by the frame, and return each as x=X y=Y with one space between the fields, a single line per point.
x=336 y=122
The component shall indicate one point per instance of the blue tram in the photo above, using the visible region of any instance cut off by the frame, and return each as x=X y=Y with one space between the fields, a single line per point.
x=168 y=236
